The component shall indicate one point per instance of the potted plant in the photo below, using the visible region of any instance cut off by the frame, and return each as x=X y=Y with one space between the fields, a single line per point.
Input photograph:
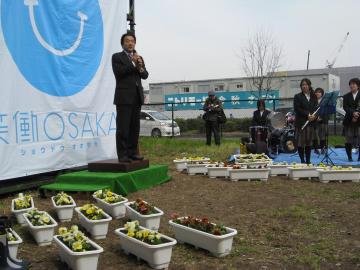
x=21 y=205
x=64 y=206
x=338 y=173
x=76 y=250
x=148 y=215
x=202 y=233
x=279 y=168
x=151 y=246
x=111 y=203
x=218 y=169
x=41 y=225
x=14 y=241
x=197 y=167
x=94 y=220
x=297 y=171
x=249 y=172
x=180 y=163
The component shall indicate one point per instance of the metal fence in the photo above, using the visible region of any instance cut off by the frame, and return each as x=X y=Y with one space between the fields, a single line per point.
x=184 y=119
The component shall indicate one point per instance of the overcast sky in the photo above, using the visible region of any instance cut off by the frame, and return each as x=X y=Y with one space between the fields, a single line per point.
x=200 y=39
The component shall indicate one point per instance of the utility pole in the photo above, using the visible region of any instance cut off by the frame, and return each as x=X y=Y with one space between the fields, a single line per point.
x=131 y=16
x=308 y=60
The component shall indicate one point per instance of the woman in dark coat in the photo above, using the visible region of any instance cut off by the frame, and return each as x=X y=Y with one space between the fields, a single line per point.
x=351 y=104
x=305 y=104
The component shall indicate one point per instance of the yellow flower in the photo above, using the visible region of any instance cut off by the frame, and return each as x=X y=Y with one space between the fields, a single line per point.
x=45 y=219
x=109 y=194
x=139 y=234
x=77 y=245
x=89 y=211
x=62 y=230
x=74 y=228
x=145 y=233
x=131 y=233
x=79 y=236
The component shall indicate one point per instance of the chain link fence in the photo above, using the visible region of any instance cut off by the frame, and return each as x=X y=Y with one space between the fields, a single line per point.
x=184 y=119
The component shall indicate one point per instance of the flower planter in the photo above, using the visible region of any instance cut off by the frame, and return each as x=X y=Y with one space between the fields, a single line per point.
x=85 y=260
x=249 y=174
x=214 y=172
x=64 y=212
x=19 y=213
x=116 y=210
x=97 y=228
x=180 y=165
x=217 y=245
x=157 y=256
x=303 y=172
x=325 y=176
x=193 y=169
x=279 y=169
x=43 y=235
x=14 y=245
x=151 y=221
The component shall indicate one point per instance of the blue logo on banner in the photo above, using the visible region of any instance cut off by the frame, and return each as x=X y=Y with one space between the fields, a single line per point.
x=57 y=45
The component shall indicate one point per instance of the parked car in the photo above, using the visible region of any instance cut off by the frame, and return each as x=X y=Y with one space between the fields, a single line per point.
x=157 y=124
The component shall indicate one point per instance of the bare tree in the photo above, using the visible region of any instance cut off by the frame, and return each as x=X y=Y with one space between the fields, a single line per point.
x=260 y=61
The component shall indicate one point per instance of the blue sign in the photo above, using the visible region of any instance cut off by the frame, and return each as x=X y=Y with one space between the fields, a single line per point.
x=57 y=45
x=231 y=100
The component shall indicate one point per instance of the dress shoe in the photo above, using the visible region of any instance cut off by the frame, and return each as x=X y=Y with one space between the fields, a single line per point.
x=124 y=160
x=137 y=157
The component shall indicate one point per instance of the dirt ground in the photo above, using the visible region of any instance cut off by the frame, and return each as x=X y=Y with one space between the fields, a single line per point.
x=281 y=224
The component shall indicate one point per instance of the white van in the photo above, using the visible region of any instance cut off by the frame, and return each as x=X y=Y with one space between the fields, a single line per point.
x=156 y=124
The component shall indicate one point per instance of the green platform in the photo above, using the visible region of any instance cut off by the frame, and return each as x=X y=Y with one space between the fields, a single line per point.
x=121 y=183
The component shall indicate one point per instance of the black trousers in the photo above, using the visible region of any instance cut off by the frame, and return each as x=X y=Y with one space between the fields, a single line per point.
x=127 y=129
x=212 y=127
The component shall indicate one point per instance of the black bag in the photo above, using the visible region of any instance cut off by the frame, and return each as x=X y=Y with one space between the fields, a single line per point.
x=222 y=117
x=205 y=116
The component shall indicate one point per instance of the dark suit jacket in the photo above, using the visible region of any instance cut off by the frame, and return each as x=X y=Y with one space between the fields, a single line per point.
x=128 y=80
x=259 y=120
x=212 y=108
x=350 y=106
x=303 y=107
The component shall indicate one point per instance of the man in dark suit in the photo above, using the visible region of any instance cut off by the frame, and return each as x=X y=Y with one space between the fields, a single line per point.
x=351 y=104
x=129 y=69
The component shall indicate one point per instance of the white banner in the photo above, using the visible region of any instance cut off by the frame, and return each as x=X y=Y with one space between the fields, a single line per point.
x=56 y=83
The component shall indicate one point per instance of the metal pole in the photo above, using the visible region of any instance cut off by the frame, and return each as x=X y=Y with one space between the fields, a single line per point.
x=308 y=60
x=172 y=120
x=131 y=16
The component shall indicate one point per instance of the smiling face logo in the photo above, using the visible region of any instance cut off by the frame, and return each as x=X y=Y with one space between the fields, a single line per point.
x=57 y=45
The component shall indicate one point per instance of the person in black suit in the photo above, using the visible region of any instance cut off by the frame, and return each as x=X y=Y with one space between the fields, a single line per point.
x=129 y=69
x=212 y=108
x=351 y=105
x=305 y=104
x=260 y=116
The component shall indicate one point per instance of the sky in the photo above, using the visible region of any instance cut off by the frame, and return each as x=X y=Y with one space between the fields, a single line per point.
x=203 y=39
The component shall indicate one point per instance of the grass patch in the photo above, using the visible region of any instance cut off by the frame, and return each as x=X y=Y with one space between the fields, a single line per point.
x=295 y=212
x=336 y=140
x=355 y=195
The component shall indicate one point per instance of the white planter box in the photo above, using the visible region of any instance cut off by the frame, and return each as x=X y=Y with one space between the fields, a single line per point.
x=151 y=222
x=303 y=172
x=325 y=176
x=116 y=210
x=64 y=212
x=254 y=165
x=180 y=165
x=193 y=169
x=218 y=245
x=86 y=260
x=214 y=172
x=14 y=245
x=43 y=235
x=279 y=169
x=249 y=174
x=157 y=256
x=19 y=213
x=97 y=228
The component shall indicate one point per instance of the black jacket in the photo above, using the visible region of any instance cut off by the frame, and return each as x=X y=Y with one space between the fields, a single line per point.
x=212 y=109
x=303 y=108
x=259 y=120
x=128 y=80
x=350 y=106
